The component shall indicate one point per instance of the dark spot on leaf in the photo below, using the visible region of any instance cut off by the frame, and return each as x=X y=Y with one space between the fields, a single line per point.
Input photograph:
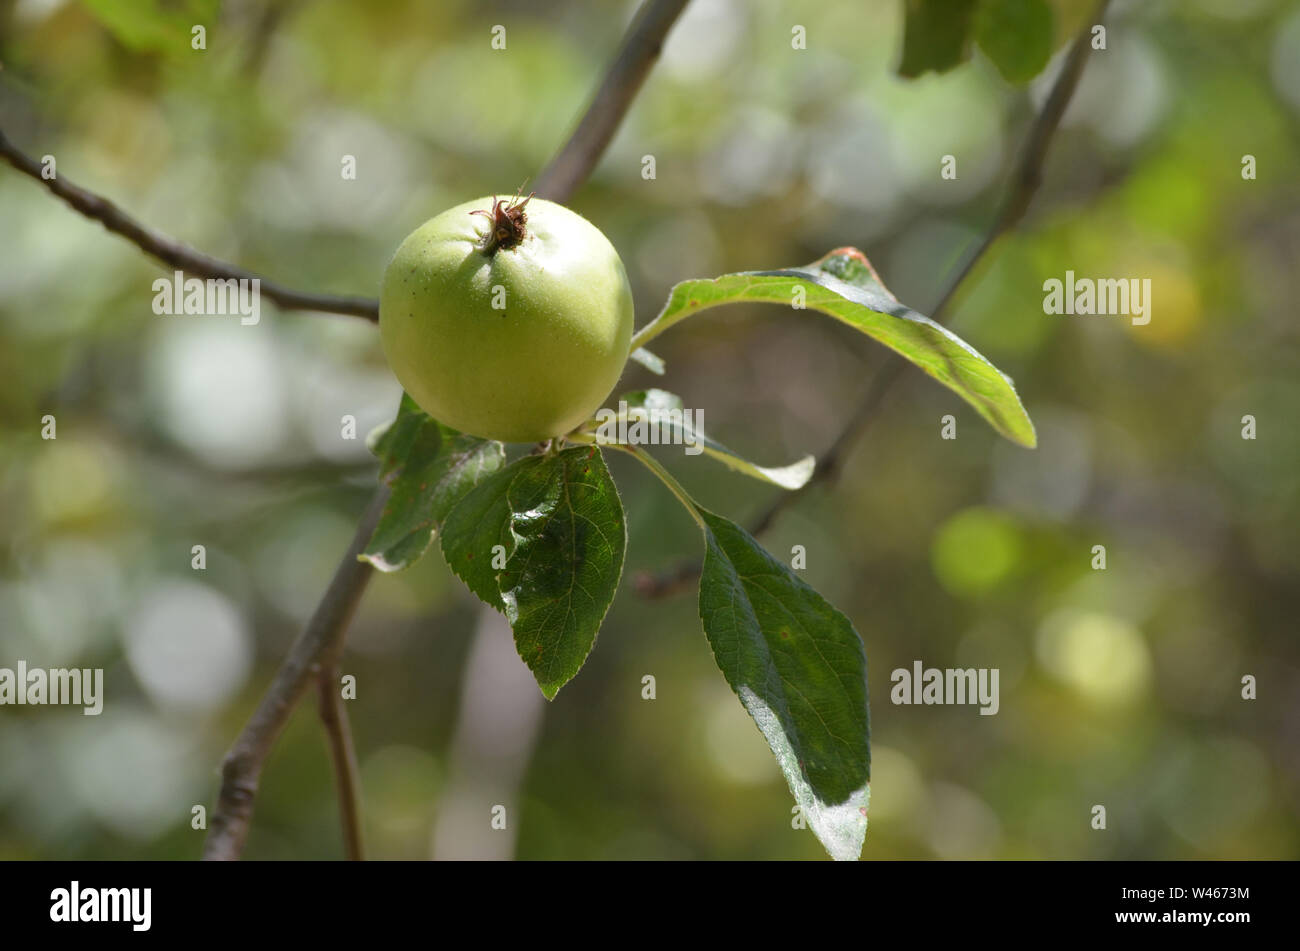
x=785 y=635
x=469 y=556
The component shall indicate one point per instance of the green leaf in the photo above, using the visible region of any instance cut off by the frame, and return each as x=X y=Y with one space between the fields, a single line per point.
x=1016 y=35
x=560 y=525
x=154 y=25
x=476 y=525
x=936 y=35
x=640 y=411
x=799 y=668
x=428 y=468
x=844 y=285
x=648 y=360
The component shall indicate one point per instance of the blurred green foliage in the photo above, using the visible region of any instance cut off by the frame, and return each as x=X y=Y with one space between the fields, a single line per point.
x=1119 y=687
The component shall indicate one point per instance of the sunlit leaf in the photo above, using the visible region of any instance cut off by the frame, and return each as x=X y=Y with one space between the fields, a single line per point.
x=647 y=410
x=844 y=285
x=648 y=360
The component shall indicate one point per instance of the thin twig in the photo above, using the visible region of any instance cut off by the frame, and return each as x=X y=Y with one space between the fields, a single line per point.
x=315 y=650
x=640 y=50
x=343 y=754
x=1024 y=184
x=171 y=252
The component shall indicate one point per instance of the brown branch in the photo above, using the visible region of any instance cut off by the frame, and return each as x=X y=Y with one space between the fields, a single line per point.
x=640 y=50
x=170 y=251
x=343 y=754
x=1024 y=184
x=315 y=650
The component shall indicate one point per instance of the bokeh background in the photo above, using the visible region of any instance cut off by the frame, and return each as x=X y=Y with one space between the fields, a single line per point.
x=1118 y=687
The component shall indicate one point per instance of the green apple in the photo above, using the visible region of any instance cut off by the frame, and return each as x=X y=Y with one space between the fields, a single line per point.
x=509 y=320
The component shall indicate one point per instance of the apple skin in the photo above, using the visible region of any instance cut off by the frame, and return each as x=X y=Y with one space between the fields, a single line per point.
x=537 y=368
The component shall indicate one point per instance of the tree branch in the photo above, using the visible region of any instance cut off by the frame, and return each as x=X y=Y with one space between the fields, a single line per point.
x=640 y=50
x=334 y=717
x=1028 y=175
x=171 y=252
x=316 y=650
x=1024 y=184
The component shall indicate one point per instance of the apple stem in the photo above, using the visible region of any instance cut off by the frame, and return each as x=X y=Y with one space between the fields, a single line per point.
x=508 y=224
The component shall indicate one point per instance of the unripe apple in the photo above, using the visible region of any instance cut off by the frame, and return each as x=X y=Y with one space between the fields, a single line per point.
x=509 y=320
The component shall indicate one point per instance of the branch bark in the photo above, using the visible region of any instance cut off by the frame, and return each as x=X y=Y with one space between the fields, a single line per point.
x=171 y=252
x=316 y=650
x=334 y=718
x=1024 y=185
x=640 y=49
